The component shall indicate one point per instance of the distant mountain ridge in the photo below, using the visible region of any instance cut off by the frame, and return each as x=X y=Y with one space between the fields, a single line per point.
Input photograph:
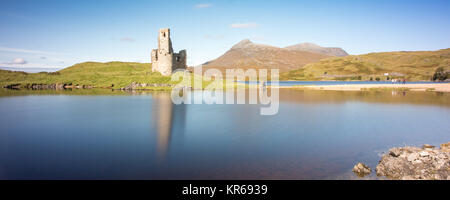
x=246 y=43
x=30 y=69
x=314 y=48
x=409 y=65
x=247 y=54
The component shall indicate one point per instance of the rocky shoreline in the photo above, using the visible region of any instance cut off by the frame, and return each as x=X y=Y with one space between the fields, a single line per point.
x=412 y=163
x=432 y=87
x=137 y=86
x=55 y=86
x=58 y=86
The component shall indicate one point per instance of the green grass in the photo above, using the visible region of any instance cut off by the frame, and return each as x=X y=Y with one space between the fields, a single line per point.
x=102 y=75
x=414 y=66
x=119 y=74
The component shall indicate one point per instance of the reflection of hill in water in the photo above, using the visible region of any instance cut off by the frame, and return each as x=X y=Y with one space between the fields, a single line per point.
x=385 y=97
x=316 y=134
x=286 y=95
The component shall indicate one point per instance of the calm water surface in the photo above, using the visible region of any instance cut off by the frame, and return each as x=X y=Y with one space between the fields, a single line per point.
x=114 y=135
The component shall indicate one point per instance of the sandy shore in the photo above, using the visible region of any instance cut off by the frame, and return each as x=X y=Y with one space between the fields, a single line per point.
x=438 y=87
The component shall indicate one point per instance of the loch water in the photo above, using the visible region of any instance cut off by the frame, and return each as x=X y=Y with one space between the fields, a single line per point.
x=90 y=134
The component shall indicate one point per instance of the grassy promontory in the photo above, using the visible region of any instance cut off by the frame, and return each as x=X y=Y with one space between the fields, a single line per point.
x=411 y=65
x=100 y=75
x=114 y=75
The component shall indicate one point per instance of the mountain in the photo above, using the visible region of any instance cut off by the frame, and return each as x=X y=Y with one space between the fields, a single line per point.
x=247 y=54
x=30 y=69
x=412 y=65
x=314 y=48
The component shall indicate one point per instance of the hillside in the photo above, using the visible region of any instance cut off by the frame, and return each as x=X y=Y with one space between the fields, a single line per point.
x=247 y=54
x=418 y=65
x=118 y=74
x=414 y=65
x=314 y=48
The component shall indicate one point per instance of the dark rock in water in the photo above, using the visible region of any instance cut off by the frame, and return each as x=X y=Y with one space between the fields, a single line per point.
x=361 y=169
x=137 y=86
x=394 y=152
x=59 y=86
x=12 y=86
x=427 y=146
x=38 y=86
x=54 y=86
x=406 y=163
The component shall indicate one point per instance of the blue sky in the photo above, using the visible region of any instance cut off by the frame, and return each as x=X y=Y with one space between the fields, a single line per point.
x=60 y=33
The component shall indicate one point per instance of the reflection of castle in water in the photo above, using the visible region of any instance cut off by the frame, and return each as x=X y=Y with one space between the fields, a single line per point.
x=168 y=120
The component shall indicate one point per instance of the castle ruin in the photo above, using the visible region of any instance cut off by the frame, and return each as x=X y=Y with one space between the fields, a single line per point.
x=164 y=60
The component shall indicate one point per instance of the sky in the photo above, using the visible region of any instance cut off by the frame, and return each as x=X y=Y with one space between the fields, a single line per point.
x=50 y=34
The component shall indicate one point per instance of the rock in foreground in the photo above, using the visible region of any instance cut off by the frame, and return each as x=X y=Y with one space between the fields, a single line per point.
x=413 y=163
x=361 y=169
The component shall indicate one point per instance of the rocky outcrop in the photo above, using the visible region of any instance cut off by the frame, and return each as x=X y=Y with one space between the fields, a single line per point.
x=137 y=86
x=445 y=147
x=361 y=170
x=78 y=86
x=55 y=86
x=413 y=163
x=45 y=86
x=58 y=86
x=12 y=86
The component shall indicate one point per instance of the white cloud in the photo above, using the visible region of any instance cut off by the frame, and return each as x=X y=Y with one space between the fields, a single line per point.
x=244 y=25
x=27 y=51
x=203 y=5
x=29 y=65
x=17 y=61
x=127 y=39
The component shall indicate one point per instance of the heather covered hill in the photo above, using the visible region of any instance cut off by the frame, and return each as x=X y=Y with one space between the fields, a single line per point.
x=247 y=54
x=412 y=65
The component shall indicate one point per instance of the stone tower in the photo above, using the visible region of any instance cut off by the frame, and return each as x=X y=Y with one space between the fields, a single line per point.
x=164 y=60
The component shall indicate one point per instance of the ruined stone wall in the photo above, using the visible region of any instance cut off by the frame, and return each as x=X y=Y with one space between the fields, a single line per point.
x=154 y=60
x=164 y=60
x=164 y=42
x=179 y=60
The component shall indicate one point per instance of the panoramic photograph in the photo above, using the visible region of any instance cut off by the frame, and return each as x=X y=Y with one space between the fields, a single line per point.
x=225 y=90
